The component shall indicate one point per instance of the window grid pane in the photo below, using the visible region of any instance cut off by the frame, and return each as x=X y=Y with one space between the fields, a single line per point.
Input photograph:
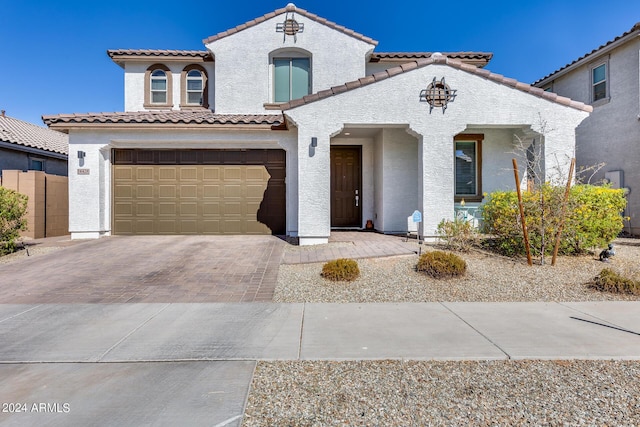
x=299 y=77
x=466 y=176
x=599 y=74
x=159 y=97
x=281 y=80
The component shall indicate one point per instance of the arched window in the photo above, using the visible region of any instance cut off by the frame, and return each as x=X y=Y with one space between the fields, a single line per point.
x=158 y=87
x=194 y=87
x=291 y=74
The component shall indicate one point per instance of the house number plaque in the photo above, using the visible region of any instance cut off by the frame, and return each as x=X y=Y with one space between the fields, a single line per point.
x=83 y=171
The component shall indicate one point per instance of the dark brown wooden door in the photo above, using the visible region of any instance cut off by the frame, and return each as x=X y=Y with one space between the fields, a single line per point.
x=346 y=187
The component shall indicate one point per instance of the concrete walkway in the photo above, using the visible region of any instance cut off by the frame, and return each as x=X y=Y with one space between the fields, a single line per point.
x=266 y=331
x=192 y=364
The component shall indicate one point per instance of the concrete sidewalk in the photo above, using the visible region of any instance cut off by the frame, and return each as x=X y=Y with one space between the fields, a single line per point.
x=268 y=331
x=192 y=364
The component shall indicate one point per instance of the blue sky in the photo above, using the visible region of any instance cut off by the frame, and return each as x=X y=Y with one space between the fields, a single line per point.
x=53 y=53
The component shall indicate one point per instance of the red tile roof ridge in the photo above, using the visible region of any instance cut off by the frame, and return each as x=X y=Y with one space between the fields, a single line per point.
x=635 y=28
x=438 y=59
x=290 y=8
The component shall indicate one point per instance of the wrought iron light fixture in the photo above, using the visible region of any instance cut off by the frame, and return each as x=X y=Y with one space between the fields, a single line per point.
x=290 y=27
x=438 y=94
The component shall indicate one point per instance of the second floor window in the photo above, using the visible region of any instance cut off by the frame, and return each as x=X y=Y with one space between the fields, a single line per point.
x=158 y=87
x=195 y=87
x=292 y=78
x=599 y=82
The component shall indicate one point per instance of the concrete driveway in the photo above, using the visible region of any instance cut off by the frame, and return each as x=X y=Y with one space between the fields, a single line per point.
x=150 y=269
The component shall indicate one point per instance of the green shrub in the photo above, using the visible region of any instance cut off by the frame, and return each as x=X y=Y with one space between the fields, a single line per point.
x=458 y=235
x=13 y=207
x=610 y=281
x=341 y=270
x=441 y=264
x=593 y=219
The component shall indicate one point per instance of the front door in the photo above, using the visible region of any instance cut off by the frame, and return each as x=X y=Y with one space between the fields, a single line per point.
x=346 y=187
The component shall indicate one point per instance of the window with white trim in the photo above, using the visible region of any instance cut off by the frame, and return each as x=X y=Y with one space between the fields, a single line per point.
x=158 y=87
x=195 y=87
x=599 y=82
x=291 y=78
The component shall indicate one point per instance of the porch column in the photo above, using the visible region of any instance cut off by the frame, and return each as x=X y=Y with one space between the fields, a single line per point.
x=314 y=182
x=436 y=169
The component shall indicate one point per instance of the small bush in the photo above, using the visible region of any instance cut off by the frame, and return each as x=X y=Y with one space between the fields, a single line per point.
x=457 y=235
x=13 y=207
x=441 y=264
x=593 y=219
x=610 y=281
x=341 y=270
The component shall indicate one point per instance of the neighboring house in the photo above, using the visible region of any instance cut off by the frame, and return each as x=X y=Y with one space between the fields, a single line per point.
x=25 y=146
x=607 y=78
x=291 y=124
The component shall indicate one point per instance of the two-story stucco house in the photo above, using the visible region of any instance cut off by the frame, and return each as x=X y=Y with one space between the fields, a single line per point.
x=608 y=79
x=291 y=124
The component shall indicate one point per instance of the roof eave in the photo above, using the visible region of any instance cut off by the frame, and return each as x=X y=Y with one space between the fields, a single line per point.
x=32 y=150
x=589 y=57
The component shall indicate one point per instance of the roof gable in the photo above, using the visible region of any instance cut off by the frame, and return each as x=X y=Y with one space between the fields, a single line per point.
x=436 y=58
x=290 y=8
x=29 y=135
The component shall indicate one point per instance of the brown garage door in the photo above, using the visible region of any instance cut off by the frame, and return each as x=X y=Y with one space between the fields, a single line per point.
x=198 y=191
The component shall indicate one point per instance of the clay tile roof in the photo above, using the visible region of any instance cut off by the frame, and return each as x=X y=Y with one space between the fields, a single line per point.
x=118 y=54
x=195 y=117
x=634 y=29
x=476 y=58
x=291 y=8
x=439 y=59
x=29 y=135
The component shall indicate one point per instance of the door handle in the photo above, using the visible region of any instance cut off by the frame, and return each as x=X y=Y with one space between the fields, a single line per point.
x=357 y=199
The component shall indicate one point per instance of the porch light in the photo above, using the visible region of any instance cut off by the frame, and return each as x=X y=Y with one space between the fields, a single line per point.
x=314 y=141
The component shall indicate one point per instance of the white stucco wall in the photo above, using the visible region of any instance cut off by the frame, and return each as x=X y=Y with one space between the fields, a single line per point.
x=90 y=195
x=244 y=74
x=134 y=82
x=611 y=134
x=395 y=102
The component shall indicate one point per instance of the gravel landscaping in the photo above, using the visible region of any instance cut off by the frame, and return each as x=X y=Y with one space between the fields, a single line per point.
x=396 y=393
x=489 y=278
x=453 y=393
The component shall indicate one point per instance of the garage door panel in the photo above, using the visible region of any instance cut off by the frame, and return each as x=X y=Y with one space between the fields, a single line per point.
x=144 y=209
x=211 y=174
x=144 y=173
x=206 y=192
x=144 y=191
x=124 y=191
x=210 y=191
x=167 y=191
x=167 y=174
x=188 y=191
x=167 y=209
x=143 y=226
x=189 y=209
x=188 y=226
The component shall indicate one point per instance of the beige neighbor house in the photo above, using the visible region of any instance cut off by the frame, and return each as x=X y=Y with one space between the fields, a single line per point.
x=291 y=124
x=608 y=79
x=33 y=161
